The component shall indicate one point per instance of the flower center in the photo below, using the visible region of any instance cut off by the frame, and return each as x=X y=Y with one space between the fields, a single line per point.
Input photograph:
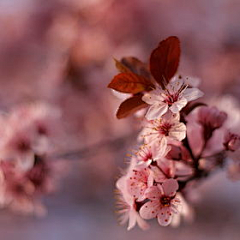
x=173 y=95
x=165 y=129
x=170 y=99
x=147 y=157
x=165 y=201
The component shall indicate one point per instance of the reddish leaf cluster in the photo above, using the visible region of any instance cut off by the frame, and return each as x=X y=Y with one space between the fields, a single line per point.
x=135 y=77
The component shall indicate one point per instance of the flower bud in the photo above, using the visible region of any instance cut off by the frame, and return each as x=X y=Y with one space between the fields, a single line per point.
x=232 y=142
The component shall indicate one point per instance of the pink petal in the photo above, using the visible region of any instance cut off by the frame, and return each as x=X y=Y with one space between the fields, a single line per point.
x=192 y=94
x=160 y=149
x=156 y=111
x=137 y=183
x=176 y=220
x=183 y=170
x=178 y=131
x=141 y=223
x=158 y=175
x=153 y=193
x=192 y=81
x=165 y=165
x=164 y=216
x=121 y=183
x=150 y=179
x=174 y=85
x=177 y=106
x=151 y=98
x=176 y=205
x=132 y=219
x=170 y=186
x=150 y=209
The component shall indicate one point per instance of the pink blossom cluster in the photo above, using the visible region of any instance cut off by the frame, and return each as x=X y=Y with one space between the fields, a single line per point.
x=26 y=172
x=181 y=143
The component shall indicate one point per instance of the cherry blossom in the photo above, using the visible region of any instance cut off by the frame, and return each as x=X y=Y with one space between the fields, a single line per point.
x=138 y=182
x=149 y=153
x=183 y=143
x=21 y=189
x=28 y=130
x=162 y=203
x=176 y=96
x=18 y=191
x=166 y=128
x=127 y=206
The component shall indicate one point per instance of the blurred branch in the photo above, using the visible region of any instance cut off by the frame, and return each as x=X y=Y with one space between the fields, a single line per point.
x=112 y=144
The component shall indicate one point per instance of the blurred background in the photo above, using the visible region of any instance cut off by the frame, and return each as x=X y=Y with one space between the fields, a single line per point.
x=60 y=52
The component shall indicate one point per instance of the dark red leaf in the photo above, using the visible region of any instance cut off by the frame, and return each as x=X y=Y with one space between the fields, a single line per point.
x=130 y=106
x=164 y=60
x=130 y=83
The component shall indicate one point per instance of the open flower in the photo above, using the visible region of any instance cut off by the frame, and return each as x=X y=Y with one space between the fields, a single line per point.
x=176 y=96
x=149 y=153
x=160 y=130
x=26 y=131
x=18 y=191
x=163 y=203
x=138 y=182
x=21 y=190
x=127 y=207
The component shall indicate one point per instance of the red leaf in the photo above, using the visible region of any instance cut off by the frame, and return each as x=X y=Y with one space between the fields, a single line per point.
x=122 y=67
x=164 y=60
x=130 y=106
x=134 y=65
x=130 y=83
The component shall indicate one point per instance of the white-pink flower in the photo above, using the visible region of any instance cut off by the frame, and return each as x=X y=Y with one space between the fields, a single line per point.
x=166 y=128
x=162 y=203
x=127 y=206
x=26 y=131
x=176 y=96
x=138 y=182
x=21 y=190
x=149 y=153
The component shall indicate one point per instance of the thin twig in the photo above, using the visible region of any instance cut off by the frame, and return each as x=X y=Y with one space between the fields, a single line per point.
x=88 y=151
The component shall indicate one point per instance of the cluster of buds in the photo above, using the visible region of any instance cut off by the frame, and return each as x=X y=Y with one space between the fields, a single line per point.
x=25 y=170
x=181 y=143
